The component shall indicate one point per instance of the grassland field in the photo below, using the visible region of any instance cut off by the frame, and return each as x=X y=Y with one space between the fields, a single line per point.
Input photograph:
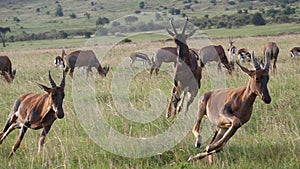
x=270 y=139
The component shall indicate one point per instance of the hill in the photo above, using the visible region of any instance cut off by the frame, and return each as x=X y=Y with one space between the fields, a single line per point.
x=34 y=19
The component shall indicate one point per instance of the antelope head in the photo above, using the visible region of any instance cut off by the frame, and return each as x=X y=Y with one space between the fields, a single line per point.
x=259 y=78
x=56 y=96
x=180 y=39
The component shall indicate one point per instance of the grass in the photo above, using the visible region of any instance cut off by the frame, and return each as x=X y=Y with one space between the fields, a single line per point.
x=269 y=140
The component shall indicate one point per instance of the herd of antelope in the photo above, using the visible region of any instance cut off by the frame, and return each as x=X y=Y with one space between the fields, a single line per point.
x=227 y=109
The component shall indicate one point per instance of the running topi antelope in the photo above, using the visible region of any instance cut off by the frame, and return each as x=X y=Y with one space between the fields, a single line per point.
x=83 y=58
x=139 y=56
x=271 y=49
x=35 y=111
x=295 y=51
x=6 y=69
x=244 y=55
x=187 y=77
x=229 y=109
x=231 y=49
x=167 y=55
x=215 y=53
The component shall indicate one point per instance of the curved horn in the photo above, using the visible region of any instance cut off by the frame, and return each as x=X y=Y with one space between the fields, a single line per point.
x=171 y=22
x=267 y=65
x=255 y=63
x=51 y=80
x=62 y=83
x=185 y=24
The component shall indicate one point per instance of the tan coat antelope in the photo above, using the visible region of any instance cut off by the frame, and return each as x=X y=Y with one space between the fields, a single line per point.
x=271 y=49
x=229 y=109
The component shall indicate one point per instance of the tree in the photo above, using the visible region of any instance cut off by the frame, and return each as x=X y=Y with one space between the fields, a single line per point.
x=258 y=19
x=88 y=15
x=59 y=11
x=102 y=21
x=73 y=15
x=130 y=19
x=142 y=5
x=3 y=31
x=158 y=17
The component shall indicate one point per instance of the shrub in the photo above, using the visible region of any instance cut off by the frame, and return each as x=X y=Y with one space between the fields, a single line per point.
x=258 y=19
x=126 y=40
x=73 y=15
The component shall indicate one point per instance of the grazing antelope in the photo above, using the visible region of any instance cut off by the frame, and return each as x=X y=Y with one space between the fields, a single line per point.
x=167 y=55
x=187 y=77
x=229 y=109
x=59 y=60
x=83 y=58
x=244 y=55
x=35 y=111
x=231 y=49
x=6 y=68
x=271 y=49
x=139 y=56
x=216 y=53
x=295 y=51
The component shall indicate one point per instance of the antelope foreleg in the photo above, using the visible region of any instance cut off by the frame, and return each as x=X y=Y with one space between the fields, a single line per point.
x=221 y=138
x=43 y=137
x=200 y=156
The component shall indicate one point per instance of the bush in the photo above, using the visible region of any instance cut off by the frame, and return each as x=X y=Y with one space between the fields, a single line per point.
x=87 y=34
x=102 y=32
x=258 y=19
x=72 y=15
x=126 y=40
x=59 y=11
x=102 y=21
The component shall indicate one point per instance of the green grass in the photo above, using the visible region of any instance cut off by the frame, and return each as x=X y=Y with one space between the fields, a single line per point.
x=269 y=140
x=273 y=29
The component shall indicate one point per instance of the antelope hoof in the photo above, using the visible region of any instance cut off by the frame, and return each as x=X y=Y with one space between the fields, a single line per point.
x=191 y=159
x=197 y=144
x=167 y=115
x=179 y=108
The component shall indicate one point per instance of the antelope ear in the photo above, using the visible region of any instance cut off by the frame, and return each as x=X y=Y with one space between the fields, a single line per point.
x=244 y=69
x=45 y=88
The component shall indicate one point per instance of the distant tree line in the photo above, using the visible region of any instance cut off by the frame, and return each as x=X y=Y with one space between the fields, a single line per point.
x=62 y=34
x=242 y=18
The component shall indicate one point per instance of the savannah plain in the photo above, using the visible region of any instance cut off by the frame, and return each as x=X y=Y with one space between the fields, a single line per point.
x=270 y=139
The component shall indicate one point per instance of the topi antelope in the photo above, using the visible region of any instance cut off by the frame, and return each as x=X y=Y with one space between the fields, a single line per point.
x=83 y=58
x=139 y=56
x=6 y=68
x=229 y=109
x=244 y=55
x=295 y=51
x=35 y=111
x=215 y=53
x=231 y=49
x=167 y=55
x=187 y=77
x=271 y=49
